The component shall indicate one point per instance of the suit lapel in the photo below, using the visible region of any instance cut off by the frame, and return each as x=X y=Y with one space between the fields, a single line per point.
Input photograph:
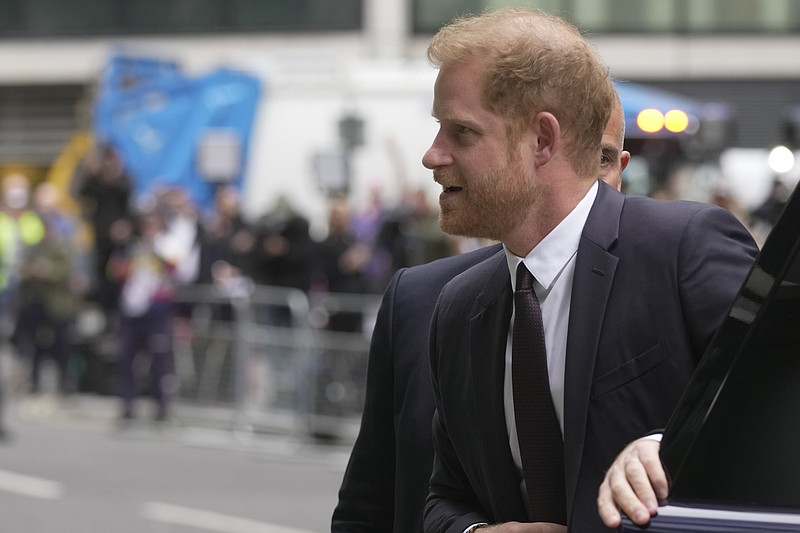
x=594 y=274
x=488 y=334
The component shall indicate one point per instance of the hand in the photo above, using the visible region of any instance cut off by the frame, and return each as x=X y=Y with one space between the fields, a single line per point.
x=518 y=527
x=634 y=485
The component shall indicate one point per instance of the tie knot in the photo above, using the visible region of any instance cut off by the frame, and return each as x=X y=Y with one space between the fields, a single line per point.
x=524 y=278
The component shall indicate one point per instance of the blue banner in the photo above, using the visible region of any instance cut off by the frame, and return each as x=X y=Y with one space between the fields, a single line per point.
x=160 y=120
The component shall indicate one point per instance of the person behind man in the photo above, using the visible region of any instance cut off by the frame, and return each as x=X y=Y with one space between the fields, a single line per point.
x=628 y=290
x=386 y=480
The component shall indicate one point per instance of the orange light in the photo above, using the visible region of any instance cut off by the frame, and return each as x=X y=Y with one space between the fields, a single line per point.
x=676 y=121
x=650 y=120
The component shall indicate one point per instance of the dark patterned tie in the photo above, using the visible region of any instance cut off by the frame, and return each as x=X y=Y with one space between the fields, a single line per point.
x=540 y=442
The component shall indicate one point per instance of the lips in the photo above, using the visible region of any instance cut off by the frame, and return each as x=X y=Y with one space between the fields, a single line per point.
x=446 y=179
x=449 y=194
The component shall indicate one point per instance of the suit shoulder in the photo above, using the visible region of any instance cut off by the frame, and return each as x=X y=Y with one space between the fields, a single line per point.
x=660 y=224
x=665 y=216
x=670 y=208
x=479 y=277
x=448 y=267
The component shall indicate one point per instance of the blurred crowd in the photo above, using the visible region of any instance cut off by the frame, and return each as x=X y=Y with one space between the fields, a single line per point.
x=128 y=255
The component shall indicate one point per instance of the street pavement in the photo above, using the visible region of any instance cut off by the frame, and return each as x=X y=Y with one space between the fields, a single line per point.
x=69 y=466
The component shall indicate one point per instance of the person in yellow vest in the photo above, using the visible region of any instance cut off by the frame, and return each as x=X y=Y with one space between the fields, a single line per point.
x=20 y=228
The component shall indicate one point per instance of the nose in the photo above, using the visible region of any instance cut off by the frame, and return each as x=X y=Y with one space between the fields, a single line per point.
x=436 y=155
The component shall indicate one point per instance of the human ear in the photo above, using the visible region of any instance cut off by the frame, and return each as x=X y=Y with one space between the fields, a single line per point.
x=548 y=136
x=624 y=159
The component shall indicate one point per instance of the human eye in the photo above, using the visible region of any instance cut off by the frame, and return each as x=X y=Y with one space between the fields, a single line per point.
x=462 y=130
x=608 y=156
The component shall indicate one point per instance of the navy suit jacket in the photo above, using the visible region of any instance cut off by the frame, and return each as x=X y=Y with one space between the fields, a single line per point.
x=386 y=480
x=653 y=280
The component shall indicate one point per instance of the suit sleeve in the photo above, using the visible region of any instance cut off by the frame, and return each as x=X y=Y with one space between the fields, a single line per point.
x=366 y=496
x=716 y=254
x=451 y=506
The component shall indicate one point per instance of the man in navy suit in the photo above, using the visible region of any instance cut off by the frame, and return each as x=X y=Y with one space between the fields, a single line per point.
x=386 y=481
x=630 y=288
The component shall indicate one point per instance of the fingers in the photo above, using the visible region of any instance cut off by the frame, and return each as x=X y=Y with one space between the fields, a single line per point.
x=634 y=484
x=648 y=455
x=606 y=506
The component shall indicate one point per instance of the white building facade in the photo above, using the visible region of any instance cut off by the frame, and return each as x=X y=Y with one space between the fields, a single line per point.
x=371 y=65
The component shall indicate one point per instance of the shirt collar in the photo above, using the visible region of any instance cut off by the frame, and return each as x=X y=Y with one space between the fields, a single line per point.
x=551 y=255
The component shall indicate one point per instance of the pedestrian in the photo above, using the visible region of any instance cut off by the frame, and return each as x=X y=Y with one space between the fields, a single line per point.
x=20 y=228
x=46 y=307
x=229 y=237
x=284 y=251
x=548 y=358
x=146 y=313
x=341 y=261
x=104 y=189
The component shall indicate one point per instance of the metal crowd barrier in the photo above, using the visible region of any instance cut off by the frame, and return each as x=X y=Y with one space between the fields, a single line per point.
x=278 y=359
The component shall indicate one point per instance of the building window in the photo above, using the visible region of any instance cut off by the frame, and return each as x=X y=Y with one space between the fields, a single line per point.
x=742 y=16
x=635 y=16
x=290 y=15
x=47 y=17
x=624 y=15
x=160 y=16
x=430 y=16
x=60 y=18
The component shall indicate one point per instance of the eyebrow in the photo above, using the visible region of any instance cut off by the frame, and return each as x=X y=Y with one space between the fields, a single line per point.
x=610 y=148
x=446 y=113
x=457 y=119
